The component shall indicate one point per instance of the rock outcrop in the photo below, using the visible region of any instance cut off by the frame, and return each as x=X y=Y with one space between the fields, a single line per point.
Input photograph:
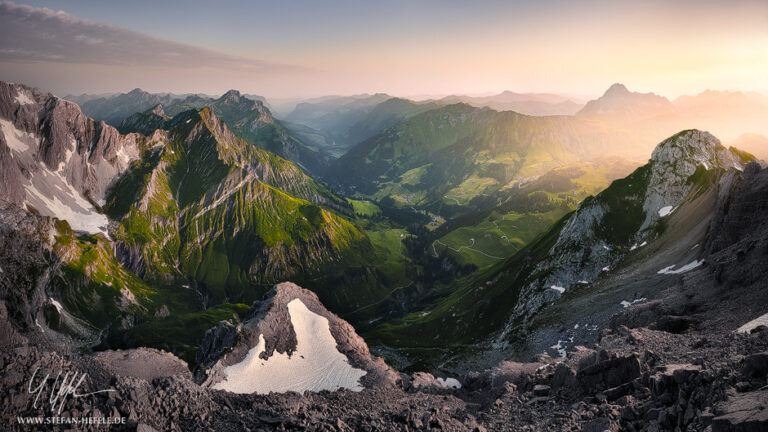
x=270 y=326
x=56 y=160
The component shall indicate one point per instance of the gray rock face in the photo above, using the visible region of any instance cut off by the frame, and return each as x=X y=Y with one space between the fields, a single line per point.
x=674 y=161
x=57 y=160
x=271 y=320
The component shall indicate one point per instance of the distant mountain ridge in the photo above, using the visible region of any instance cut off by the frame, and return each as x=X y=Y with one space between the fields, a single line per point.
x=248 y=118
x=619 y=101
x=536 y=104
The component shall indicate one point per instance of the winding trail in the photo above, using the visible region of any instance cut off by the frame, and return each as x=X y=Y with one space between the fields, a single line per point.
x=468 y=247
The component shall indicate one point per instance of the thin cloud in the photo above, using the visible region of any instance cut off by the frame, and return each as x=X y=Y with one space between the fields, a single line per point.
x=43 y=35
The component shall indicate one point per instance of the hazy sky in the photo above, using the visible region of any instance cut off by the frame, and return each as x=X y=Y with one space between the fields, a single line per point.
x=287 y=48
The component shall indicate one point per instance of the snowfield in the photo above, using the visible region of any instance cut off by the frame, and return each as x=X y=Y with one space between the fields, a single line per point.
x=22 y=98
x=315 y=365
x=688 y=267
x=15 y=138
x=665 y=211
x=51 y=195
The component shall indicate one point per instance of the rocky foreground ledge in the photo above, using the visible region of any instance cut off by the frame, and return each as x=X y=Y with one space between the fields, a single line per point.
x=632 y=379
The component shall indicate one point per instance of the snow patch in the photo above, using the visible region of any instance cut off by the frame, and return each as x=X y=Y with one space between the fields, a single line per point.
x=606 y=268
x=57 y=305
x=560 y=348
x=748 y=327
x=123 y=156
x=22 y=98
x=449 y=383
x=15 y=138
x=666 y=210
x=557 y=288
x=315 y=365
x=51 y=195
x=635 y=246
x=627 y=304
x=688 y=267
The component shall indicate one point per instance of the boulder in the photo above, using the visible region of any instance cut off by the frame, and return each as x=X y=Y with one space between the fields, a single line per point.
x=610 y=373
x=746 y=412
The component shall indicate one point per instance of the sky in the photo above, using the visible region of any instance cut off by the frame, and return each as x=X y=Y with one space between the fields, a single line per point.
x=307 y=48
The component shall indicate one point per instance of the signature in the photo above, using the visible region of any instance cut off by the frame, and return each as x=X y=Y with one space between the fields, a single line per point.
x=63 y=387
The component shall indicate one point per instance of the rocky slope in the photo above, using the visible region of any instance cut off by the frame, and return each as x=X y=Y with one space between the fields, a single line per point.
x=634 y=379
x=57 y=161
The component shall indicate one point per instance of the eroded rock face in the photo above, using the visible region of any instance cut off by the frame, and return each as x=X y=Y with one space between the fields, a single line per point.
x=271 y=327
x=55 y=159
x=674 y=161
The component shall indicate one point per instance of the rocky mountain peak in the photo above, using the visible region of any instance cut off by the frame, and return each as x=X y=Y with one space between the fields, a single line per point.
x=695 y=146
x=616 y=89
x=287 y=328
x=158 y=110
x=674 y=161
x=231 y=95
x=618 y=100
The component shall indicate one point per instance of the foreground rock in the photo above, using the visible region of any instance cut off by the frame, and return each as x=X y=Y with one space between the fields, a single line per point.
x=290 y=341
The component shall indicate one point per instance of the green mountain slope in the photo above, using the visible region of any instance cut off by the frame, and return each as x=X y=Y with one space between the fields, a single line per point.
x=502 y=302
x=210 y=210
x=450 y=156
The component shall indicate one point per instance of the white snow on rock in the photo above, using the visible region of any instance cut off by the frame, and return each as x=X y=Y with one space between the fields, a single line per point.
x=51 y=195
x=748 y=327
x=665 y=211
x=56 y=304
x=688 y=267
x=557 y=288
x=22 y=98
x=635 y=246
x=607 y=268
x=16 y=138
x=627 y=304
x=449 y=383
x=315 y=365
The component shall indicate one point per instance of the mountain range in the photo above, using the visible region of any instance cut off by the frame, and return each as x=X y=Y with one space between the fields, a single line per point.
x=472 y=267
